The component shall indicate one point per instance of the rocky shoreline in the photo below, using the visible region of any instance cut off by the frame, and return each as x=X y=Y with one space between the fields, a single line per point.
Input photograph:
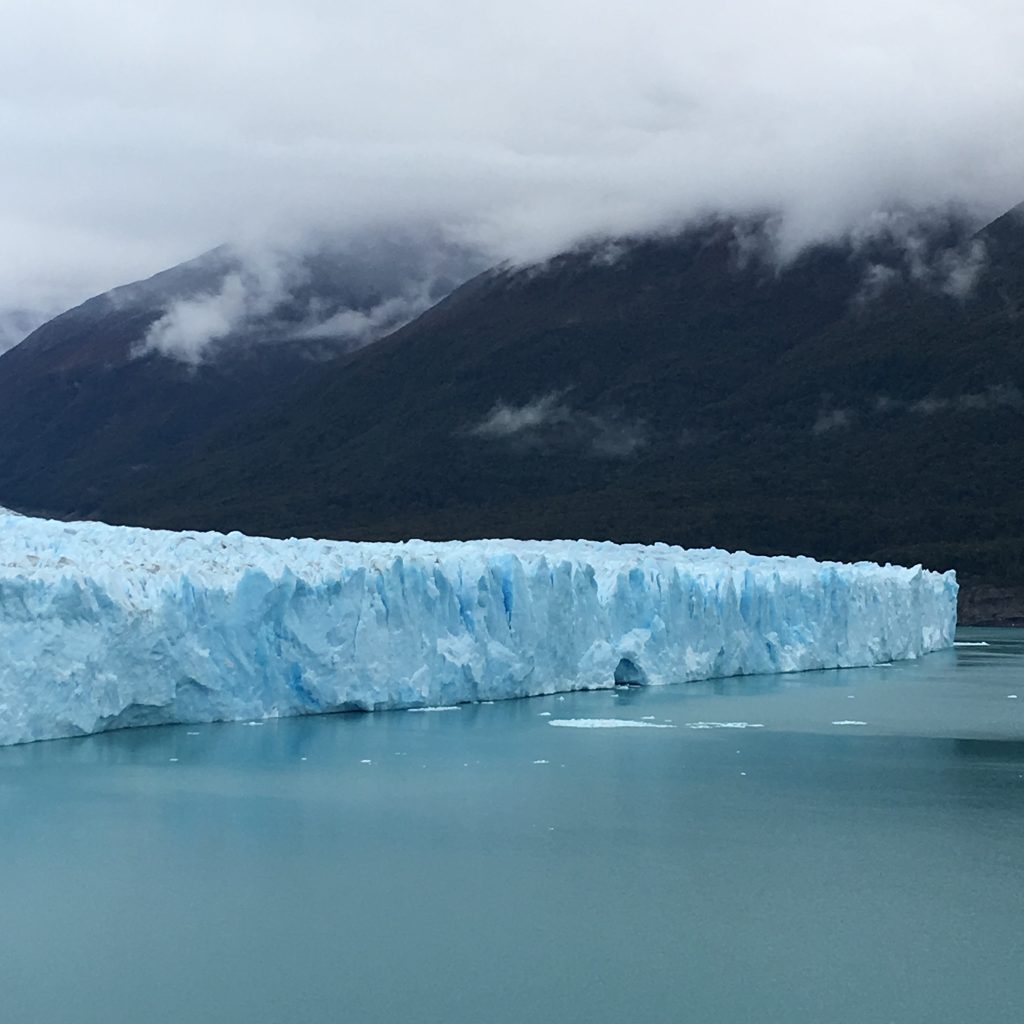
x=990 y=604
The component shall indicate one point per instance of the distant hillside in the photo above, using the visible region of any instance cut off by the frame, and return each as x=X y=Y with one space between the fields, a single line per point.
x=131 y=380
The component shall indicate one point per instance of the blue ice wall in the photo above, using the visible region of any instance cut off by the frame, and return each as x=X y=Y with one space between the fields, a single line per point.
x=102 y=627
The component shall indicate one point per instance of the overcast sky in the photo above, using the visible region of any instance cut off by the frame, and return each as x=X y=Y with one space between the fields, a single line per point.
x=137 y=135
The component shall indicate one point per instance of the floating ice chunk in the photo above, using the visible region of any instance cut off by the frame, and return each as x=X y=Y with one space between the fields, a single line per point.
x=847 y=721
x=445 y=707
x=103 y=627
x=970 y=643
x=542 y=762
x=544 y=714
x=606 y=723
x=724 y=725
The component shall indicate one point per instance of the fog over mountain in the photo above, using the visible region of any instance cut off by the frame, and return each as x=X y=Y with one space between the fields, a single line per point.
x=17 y=324
x=136 y=138
x=347 y=292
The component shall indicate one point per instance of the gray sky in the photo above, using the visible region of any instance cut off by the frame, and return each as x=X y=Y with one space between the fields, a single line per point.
x=137 y=135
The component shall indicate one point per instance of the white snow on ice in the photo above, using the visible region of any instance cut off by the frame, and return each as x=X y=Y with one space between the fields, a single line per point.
x=104 y=627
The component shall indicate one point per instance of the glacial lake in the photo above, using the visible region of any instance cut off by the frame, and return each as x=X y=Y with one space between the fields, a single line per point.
x=483 y=865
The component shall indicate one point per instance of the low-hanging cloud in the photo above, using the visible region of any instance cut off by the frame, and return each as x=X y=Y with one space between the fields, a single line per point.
x=549 y=424
x=191 y=325
x=1005 y=396
x=136 y=138
x=995 y=396
x=346 y=292
x=918 y=252
x=512 y=420
x=361 y=327
x=832 y=419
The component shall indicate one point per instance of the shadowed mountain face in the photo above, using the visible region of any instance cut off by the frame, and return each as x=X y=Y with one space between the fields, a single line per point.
x=862 y=399
x=131 y=380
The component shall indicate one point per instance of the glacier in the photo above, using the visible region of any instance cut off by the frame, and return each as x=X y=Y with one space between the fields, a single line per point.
x=105 y=627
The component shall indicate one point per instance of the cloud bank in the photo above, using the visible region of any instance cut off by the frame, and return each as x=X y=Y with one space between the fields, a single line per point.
x=137 y=137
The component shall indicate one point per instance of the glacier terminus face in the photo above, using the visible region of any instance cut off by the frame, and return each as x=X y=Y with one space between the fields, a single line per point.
x=104 y=627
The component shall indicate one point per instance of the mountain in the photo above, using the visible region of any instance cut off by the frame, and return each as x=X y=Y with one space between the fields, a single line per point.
x=859 y=399
x=16 y=324
x=131 y=380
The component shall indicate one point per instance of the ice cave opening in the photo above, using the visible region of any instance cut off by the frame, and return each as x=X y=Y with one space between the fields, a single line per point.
x=628 y=673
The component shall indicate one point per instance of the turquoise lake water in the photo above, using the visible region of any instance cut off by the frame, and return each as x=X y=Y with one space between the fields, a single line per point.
x=480 y=865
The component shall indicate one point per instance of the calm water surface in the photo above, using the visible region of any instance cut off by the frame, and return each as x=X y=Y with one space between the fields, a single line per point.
x=481 y=866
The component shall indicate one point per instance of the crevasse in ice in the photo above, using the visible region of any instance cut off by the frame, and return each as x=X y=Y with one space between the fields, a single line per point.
x=103 y=627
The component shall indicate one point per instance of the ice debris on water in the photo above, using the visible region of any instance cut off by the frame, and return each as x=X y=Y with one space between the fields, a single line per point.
x=606 y=723
x=724 y=725
x=105 y=627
